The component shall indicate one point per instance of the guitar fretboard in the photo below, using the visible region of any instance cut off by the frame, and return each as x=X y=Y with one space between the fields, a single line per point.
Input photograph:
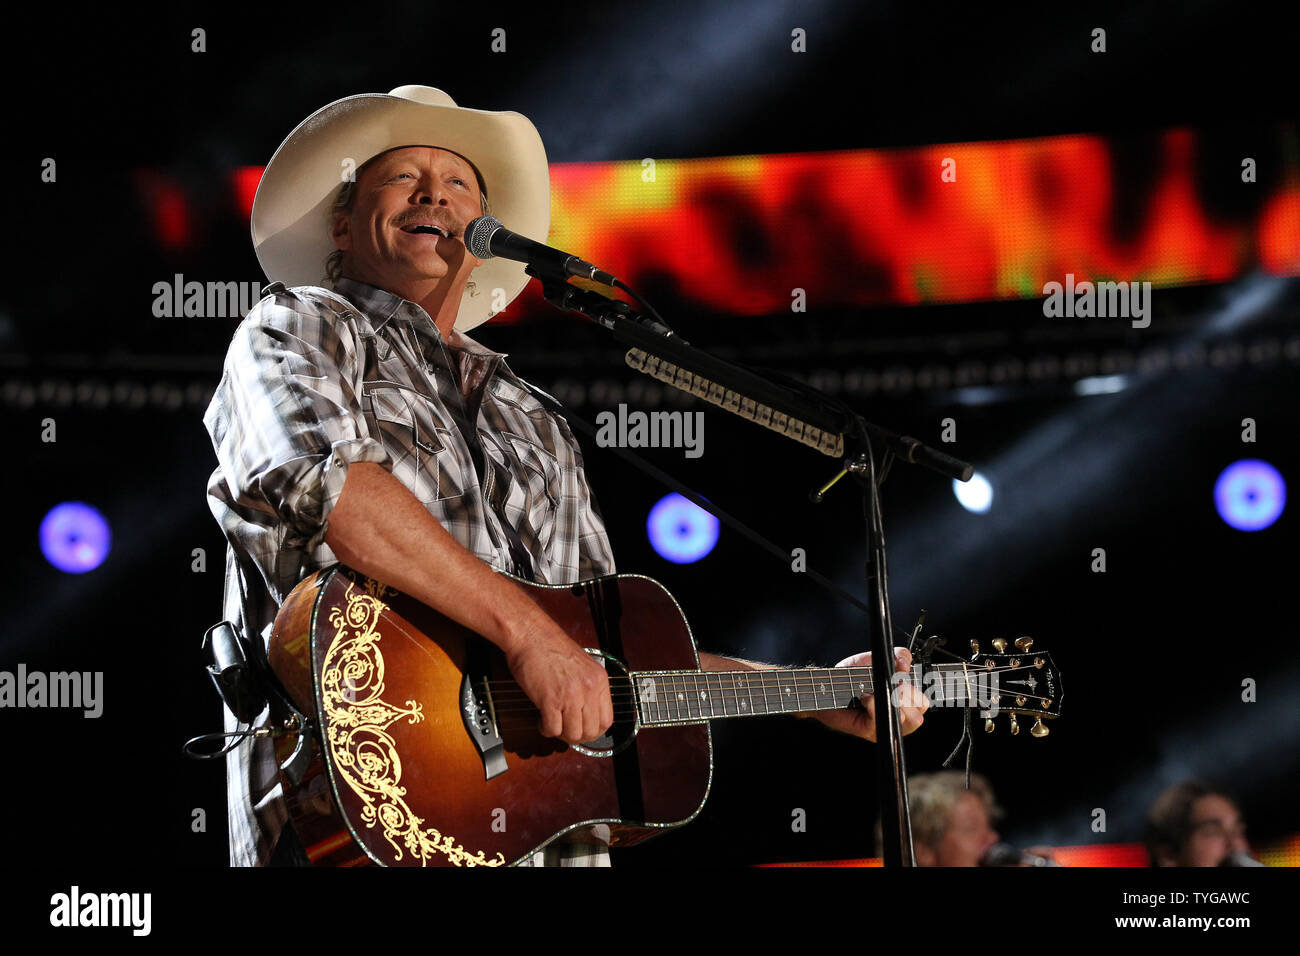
x=667 y=697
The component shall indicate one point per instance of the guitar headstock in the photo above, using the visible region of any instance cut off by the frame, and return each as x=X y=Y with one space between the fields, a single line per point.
x=1020 y=681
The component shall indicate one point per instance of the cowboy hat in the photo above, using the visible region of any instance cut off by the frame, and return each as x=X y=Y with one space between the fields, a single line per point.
x=290 y=221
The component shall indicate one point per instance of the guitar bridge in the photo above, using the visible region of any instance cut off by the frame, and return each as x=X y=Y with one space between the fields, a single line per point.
x=479 y=717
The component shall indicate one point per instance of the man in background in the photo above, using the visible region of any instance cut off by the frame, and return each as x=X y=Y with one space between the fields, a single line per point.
x=1194 y=823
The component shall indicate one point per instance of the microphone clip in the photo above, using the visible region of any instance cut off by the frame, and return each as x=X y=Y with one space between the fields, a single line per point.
x=600 y=308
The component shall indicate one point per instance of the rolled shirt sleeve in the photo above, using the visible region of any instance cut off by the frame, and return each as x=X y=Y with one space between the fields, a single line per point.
x=286 y=420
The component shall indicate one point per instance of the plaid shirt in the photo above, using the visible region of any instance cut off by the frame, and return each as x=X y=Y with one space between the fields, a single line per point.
x=314 y=382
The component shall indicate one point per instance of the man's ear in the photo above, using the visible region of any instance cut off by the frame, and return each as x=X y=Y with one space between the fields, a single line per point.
x=342 y=233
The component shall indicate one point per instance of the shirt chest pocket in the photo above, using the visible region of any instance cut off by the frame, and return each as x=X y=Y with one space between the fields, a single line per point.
x=541 y=473
x=529 y=502
x=418 y=440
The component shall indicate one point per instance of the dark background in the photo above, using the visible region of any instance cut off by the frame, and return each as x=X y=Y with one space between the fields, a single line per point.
x=1153 y=652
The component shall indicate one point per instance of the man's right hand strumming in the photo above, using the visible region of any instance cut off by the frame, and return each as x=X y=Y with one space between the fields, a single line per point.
x=567 y=684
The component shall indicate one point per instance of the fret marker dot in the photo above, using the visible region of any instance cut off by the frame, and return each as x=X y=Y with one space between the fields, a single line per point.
x=704 y=695
x=743 y=705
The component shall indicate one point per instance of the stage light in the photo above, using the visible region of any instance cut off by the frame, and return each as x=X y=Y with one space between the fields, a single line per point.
x=1250 y=494
x=244 y=180
x=680 y=531
x=975 y=495
x=75 y=537
x=1101 y=385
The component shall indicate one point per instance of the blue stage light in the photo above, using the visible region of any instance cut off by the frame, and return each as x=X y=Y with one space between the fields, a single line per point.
x=75 y=537
x=1250 y=494
x=975 y=495
x=680 y=531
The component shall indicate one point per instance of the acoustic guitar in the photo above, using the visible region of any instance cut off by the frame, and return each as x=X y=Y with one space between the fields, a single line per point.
x=427 y=753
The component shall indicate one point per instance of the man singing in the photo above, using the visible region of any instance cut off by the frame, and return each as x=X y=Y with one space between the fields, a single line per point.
x=360 y=424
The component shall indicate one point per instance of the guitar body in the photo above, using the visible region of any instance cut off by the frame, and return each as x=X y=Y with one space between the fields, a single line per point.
x=427 y=754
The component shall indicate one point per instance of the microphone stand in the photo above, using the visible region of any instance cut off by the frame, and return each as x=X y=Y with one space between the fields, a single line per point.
x=805 y=404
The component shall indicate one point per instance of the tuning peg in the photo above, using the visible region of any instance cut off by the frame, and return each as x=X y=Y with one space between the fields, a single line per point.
x=1039 y=729
x=1000 y=643
x=1024 y=644
x=1015 y=727
x=988 y=725
x=1020 y=702
x=1045 y=703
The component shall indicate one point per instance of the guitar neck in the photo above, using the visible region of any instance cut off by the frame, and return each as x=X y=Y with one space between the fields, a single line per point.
x=672 y=697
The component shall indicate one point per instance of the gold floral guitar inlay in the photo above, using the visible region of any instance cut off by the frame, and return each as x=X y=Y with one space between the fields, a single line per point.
x=357 y=719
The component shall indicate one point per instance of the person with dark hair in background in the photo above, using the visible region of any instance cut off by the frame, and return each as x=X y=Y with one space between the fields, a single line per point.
x=1194 y=823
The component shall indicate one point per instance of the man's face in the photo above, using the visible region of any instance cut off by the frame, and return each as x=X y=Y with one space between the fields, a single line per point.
x=400 y=194
x=968 y=836
x=1217 y=831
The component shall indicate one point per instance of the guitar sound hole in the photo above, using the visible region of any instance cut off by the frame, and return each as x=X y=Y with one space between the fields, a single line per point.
x=611 y=742
x=623 y=730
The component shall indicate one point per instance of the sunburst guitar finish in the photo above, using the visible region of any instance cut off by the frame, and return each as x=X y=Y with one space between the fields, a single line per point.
x=428 y=754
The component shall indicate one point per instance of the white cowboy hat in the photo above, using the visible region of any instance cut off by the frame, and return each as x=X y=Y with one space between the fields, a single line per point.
x=290 y=221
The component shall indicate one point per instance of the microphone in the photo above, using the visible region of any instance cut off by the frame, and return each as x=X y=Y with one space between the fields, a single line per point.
x=486 y=238
x=1004 y=854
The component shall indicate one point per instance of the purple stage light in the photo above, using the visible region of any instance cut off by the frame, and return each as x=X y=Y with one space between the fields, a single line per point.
x=680 y=531
x=1250 y=494
x=75 y=537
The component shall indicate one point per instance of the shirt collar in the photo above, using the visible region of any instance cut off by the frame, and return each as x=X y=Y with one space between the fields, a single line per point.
x=382 y=306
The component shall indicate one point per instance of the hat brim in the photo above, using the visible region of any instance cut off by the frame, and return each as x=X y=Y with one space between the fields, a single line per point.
x=290 y=220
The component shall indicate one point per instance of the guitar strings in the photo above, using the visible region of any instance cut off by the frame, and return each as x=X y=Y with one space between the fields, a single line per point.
x=736 y=693
x=656 y=712
x=799 y=675
x=514 y=702
x=765 y=679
